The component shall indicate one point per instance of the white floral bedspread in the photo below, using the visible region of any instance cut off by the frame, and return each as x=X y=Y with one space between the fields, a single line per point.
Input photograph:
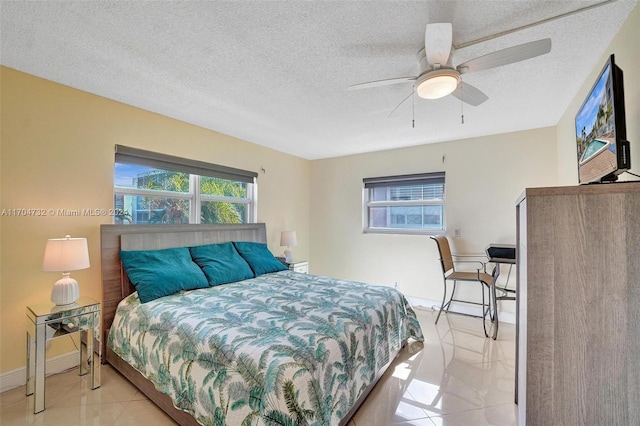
x=281 y=349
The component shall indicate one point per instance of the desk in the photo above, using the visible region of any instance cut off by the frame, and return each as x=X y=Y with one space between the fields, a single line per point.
x=47 y=321
x=502 y=254
x=505 y=254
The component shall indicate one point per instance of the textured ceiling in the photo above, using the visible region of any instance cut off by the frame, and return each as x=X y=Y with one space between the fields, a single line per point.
x=276 y=72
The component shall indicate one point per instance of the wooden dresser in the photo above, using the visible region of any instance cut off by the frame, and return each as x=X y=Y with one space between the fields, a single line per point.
x=578 y=309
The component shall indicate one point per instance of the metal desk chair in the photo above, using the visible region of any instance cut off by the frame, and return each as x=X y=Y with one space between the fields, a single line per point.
x=480 y=276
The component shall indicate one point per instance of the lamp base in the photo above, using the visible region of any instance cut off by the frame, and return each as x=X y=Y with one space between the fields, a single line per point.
x=65 y=290
x=288 y=255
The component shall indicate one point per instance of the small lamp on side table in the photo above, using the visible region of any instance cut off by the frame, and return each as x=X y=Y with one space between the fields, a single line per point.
x=65 y=255
x=288 y=239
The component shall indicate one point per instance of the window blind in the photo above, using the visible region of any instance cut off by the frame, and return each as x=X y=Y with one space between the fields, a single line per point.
x=417 y=179
x=128 y=155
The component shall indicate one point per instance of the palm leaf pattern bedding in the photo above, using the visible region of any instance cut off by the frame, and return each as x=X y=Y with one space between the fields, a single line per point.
x=280 y=349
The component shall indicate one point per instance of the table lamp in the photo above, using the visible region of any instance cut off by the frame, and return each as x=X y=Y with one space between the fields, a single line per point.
x=65 y=255
x=288 y=239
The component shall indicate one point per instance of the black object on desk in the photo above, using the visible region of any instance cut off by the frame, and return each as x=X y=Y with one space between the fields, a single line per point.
x=501 y=253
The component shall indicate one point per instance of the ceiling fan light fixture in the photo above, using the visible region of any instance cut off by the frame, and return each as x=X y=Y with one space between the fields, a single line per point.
x=437 y=84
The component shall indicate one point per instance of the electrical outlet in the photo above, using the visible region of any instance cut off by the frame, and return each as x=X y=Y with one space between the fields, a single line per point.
x=395 y=284
x=456 y=232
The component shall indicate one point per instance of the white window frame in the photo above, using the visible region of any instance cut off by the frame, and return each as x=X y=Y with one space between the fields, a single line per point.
x=127 y=155
x=388 y=182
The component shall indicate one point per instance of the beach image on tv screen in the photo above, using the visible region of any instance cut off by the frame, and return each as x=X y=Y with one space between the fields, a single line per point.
x=595 y=131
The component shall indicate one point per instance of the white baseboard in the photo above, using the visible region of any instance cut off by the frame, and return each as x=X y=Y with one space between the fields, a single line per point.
x=18 y=377
x=508 y=317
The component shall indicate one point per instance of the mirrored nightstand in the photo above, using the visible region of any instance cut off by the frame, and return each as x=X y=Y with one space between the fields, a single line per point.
x=302 y=266
x=296 y=266
x=47 y=321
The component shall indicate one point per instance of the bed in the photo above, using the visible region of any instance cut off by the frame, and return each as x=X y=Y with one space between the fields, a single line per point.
x=280 y=348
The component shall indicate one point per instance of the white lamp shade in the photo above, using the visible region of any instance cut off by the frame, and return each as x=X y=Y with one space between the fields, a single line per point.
x=288 y=238
x=65 y=254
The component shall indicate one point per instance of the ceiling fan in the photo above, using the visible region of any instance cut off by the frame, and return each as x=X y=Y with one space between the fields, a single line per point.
x=438 y=77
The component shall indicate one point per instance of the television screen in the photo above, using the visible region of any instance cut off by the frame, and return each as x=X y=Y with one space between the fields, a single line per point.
x=600 y=129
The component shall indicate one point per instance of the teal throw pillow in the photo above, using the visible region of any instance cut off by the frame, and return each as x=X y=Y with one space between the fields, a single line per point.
x=221 y=263
x=259 y=257
x=159 y=273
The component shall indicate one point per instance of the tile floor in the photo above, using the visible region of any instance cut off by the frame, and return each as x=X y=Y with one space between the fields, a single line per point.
x=457 y=377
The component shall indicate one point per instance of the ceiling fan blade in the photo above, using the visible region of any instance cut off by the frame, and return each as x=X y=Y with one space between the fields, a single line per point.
x=437 y=43
x=506 y=56
x=384 y=82
x=469 y=94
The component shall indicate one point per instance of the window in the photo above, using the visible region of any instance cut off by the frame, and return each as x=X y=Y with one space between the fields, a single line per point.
x=409 y=204
x=155 y=188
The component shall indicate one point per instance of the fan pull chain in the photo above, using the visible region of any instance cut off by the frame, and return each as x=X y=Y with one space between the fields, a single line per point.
x=413 y=111
x=461 y=104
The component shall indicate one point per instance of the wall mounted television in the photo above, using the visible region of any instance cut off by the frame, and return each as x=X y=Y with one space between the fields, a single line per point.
x=603 y=151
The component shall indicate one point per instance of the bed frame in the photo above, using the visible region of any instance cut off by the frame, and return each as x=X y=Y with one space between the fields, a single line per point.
x=116 y=286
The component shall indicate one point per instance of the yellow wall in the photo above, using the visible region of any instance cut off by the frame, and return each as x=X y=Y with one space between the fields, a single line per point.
x=57 y=151
x=625 y=47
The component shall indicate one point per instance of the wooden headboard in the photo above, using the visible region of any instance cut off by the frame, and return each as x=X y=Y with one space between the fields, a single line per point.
x=113 y=238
